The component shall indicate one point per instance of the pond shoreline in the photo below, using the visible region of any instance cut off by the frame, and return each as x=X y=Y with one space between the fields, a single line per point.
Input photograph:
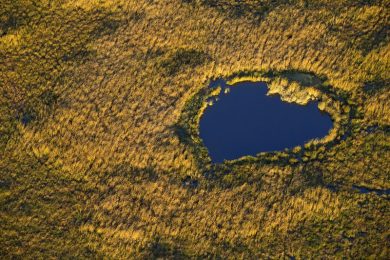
x=187 y=127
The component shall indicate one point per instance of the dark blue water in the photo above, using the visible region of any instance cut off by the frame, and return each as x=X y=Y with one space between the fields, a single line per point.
x=246 y=122
x=368 y=190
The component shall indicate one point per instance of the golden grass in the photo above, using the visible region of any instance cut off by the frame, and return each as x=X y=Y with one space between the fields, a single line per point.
x=90 y=163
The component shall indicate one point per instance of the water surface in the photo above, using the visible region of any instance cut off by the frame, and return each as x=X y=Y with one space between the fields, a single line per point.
x=246 y=121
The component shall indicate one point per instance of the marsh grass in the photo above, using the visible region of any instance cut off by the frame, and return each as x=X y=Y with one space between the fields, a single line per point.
x=115 y=89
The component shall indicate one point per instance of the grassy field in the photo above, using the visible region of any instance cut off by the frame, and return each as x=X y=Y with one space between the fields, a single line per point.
x=99 y=151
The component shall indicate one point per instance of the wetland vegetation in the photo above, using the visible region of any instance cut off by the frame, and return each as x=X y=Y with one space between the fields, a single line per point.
x=100 y=152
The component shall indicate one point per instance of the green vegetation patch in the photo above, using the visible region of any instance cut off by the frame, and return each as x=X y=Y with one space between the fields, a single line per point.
x=183 y=58
x=330 y=102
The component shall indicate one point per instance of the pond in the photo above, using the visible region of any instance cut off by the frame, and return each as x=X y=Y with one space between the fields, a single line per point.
x=243 y=120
